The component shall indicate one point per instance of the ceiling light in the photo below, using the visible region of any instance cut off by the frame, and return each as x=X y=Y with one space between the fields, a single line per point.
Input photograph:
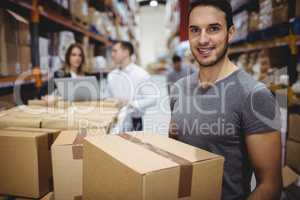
x=153 y=3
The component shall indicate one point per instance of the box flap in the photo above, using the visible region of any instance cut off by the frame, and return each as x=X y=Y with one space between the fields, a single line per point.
x=13 y=133
x=188 y=152
x=49 y=196
x=119 y=148
x=288 y=176
x=66 y=138
x=33 y=129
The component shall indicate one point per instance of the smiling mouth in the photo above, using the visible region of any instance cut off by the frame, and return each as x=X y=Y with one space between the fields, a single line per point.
x=205 y=51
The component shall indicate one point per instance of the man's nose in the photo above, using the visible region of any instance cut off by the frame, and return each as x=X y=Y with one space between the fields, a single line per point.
x=203 y=38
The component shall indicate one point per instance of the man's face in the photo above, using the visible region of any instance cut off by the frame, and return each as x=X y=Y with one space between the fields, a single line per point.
x=208 y=35
x=177 y=65
x=119 y=54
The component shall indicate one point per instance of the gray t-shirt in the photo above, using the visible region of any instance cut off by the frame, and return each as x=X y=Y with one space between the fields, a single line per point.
x=218 y=118
x=173 y=75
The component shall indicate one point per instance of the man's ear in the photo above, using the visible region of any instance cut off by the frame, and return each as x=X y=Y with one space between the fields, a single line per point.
x=231 y=33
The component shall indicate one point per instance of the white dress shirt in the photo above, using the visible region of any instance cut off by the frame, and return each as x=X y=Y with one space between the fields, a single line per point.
x=132 y=84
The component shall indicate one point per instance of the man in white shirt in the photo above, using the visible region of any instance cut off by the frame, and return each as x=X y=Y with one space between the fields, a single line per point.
x=130 y=84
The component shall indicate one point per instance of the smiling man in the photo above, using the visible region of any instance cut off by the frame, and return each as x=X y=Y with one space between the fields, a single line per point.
x=224 y=110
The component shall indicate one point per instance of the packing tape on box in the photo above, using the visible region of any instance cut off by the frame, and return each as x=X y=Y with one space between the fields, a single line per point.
x=186 y=167
x=77 y=148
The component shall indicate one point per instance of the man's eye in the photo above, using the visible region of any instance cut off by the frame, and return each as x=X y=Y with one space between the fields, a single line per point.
x=214 y=29
x=194 y=30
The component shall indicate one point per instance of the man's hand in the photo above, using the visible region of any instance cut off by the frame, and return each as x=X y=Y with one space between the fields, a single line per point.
x=173 y=130
x=265 y=156
x=50 y=99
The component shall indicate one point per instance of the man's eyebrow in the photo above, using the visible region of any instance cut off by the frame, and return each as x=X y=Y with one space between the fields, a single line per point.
x=215 y=24
x=193 y=26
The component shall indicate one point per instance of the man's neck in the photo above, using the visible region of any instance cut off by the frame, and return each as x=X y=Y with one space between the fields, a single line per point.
x=209 y=75
x=125 y=63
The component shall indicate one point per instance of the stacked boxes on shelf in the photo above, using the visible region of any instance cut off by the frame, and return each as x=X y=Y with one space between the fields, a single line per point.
x=293 y=143
x=267 y=14
x=236 y=4
x=297 y=7
x=79 y=10
x=272 y=12
x=15 y=53
x=44 y=44
x=253 y=21
x=240 y=21
x=63 y=3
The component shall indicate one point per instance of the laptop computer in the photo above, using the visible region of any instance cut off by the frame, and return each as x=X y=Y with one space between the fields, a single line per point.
x=78 y=89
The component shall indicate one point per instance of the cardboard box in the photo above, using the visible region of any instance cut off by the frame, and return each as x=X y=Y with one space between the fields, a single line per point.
x=56 y=118
x=280 y=14
x=12 y=62
x=79 y=8
x=74 y=123
x=2 y=44
x=11 y=27
x=25 y=58
x=49 y=196
x=36 y=102
x=67 y=163
x=25 y=159
x=297 y=7
x=109 y=103
x=51 y=132
x=7 y=121
x=8 y=34
x=35 y=112
x=294 y=127
x=15 y=32
x=288 y=176
x=149 y=166
x=24 y=33
x=292 y=155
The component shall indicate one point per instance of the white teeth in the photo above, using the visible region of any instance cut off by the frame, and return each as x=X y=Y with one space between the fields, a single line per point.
x=205 y=50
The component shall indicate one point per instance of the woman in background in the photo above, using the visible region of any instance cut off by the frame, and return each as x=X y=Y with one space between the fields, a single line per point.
x=73 y=68
x=74 y=61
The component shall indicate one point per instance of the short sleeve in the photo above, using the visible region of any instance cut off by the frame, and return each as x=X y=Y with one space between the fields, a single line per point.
x=260 y=112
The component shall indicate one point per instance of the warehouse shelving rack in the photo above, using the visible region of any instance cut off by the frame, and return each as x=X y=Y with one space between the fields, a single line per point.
x=40 y=15
x=287 y=41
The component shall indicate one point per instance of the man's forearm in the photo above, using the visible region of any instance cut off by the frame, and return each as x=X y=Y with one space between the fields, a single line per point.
x=266 y=192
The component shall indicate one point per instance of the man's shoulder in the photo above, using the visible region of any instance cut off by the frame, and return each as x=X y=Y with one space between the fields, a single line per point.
x=138 y=70
x=115 y=71
x=248 y=83
x=187 y=80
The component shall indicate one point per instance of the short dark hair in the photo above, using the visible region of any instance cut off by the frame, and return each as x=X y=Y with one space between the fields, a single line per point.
x=126 y=45
x=222 y=5
x=176 y=58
